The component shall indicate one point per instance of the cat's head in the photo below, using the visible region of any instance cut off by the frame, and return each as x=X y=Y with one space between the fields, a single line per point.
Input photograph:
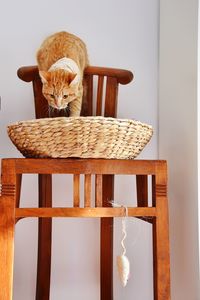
x=58 y=88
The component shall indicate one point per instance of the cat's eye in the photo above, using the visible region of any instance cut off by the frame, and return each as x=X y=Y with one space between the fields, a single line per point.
x=51 y=95
x=65 y=96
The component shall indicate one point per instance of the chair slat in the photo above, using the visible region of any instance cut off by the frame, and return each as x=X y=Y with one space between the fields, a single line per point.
x=76 y=190
x=18 y=191
x=153 y=191
x=87 y=105
x=99 y=96
x=111 y=97
x=142 y=190
x=98 y=190
x=41 y=105
x=87 y=190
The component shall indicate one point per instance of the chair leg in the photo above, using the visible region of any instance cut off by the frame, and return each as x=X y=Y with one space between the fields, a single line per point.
x=154 y=241
x=162 y=253
x=155 y=265
x=44 y=239
x=158 y=237
x=107 y=242
x=161 y=237
x=7 y=223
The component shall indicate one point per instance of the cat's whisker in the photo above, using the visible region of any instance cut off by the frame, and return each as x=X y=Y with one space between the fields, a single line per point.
x=50 y=110
x=66 y=110
x=46 y=110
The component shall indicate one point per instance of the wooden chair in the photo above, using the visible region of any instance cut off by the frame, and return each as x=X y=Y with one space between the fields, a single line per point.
x=104 y=170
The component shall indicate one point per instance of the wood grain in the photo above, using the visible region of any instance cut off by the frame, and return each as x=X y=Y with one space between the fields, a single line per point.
x=99 y=96
x=87 y=212
x=28 y=73
x=76 y=190
x=18 y=189
x=98 y=190
x=142 y=193
x=8 y=189
x=111 y=97
x=162 y=235
x=84 y=166
x=106 y=253
x=44 y=239
x=142 y=190
x=87 y=190
x=154 y=241
x=87 y=105
x=7 y=222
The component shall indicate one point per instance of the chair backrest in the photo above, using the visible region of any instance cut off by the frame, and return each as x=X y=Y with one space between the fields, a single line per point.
x=100 y=91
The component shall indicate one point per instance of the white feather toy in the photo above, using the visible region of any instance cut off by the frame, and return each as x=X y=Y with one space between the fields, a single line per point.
x=123 y=264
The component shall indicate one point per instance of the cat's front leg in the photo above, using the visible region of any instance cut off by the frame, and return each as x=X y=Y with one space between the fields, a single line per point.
x=76 y=105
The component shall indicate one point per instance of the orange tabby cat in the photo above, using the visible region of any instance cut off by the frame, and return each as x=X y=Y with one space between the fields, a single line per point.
x=62 y=59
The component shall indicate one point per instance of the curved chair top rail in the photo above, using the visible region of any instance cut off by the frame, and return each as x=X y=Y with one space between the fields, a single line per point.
x=28 y=73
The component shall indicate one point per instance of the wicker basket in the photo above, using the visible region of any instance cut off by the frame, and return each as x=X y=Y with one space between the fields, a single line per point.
x=84 y=137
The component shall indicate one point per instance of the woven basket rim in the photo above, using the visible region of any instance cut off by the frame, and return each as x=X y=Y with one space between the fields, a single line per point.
x=82 y=118
x=84 y=137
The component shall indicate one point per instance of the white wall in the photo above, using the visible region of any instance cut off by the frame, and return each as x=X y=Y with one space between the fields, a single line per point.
x=198 y=124
x=178 y=138
x=123 y=35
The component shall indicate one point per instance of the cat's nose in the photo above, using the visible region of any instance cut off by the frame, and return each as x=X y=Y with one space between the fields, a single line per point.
x=58 y=102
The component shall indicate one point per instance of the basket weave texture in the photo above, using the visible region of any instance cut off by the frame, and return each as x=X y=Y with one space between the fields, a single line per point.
x=83 y=137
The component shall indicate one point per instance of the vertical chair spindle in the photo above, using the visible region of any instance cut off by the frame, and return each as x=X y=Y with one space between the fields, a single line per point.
x=99 y=96
x=76 y=190
x=87 y=106
x=18 y=191
x=142 y=190
x=98 y=191
x=87 y=191
x=111 y=97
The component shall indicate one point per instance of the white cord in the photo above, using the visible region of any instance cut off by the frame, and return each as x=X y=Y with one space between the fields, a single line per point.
x=124 y=230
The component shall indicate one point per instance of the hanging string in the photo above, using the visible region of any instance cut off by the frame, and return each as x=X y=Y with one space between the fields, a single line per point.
x=124 y=230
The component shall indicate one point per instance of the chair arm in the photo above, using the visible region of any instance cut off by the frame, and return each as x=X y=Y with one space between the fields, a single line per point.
x=28 y=73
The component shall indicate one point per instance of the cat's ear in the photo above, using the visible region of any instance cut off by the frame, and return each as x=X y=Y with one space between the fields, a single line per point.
x=45 y=76
x=71 y=77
